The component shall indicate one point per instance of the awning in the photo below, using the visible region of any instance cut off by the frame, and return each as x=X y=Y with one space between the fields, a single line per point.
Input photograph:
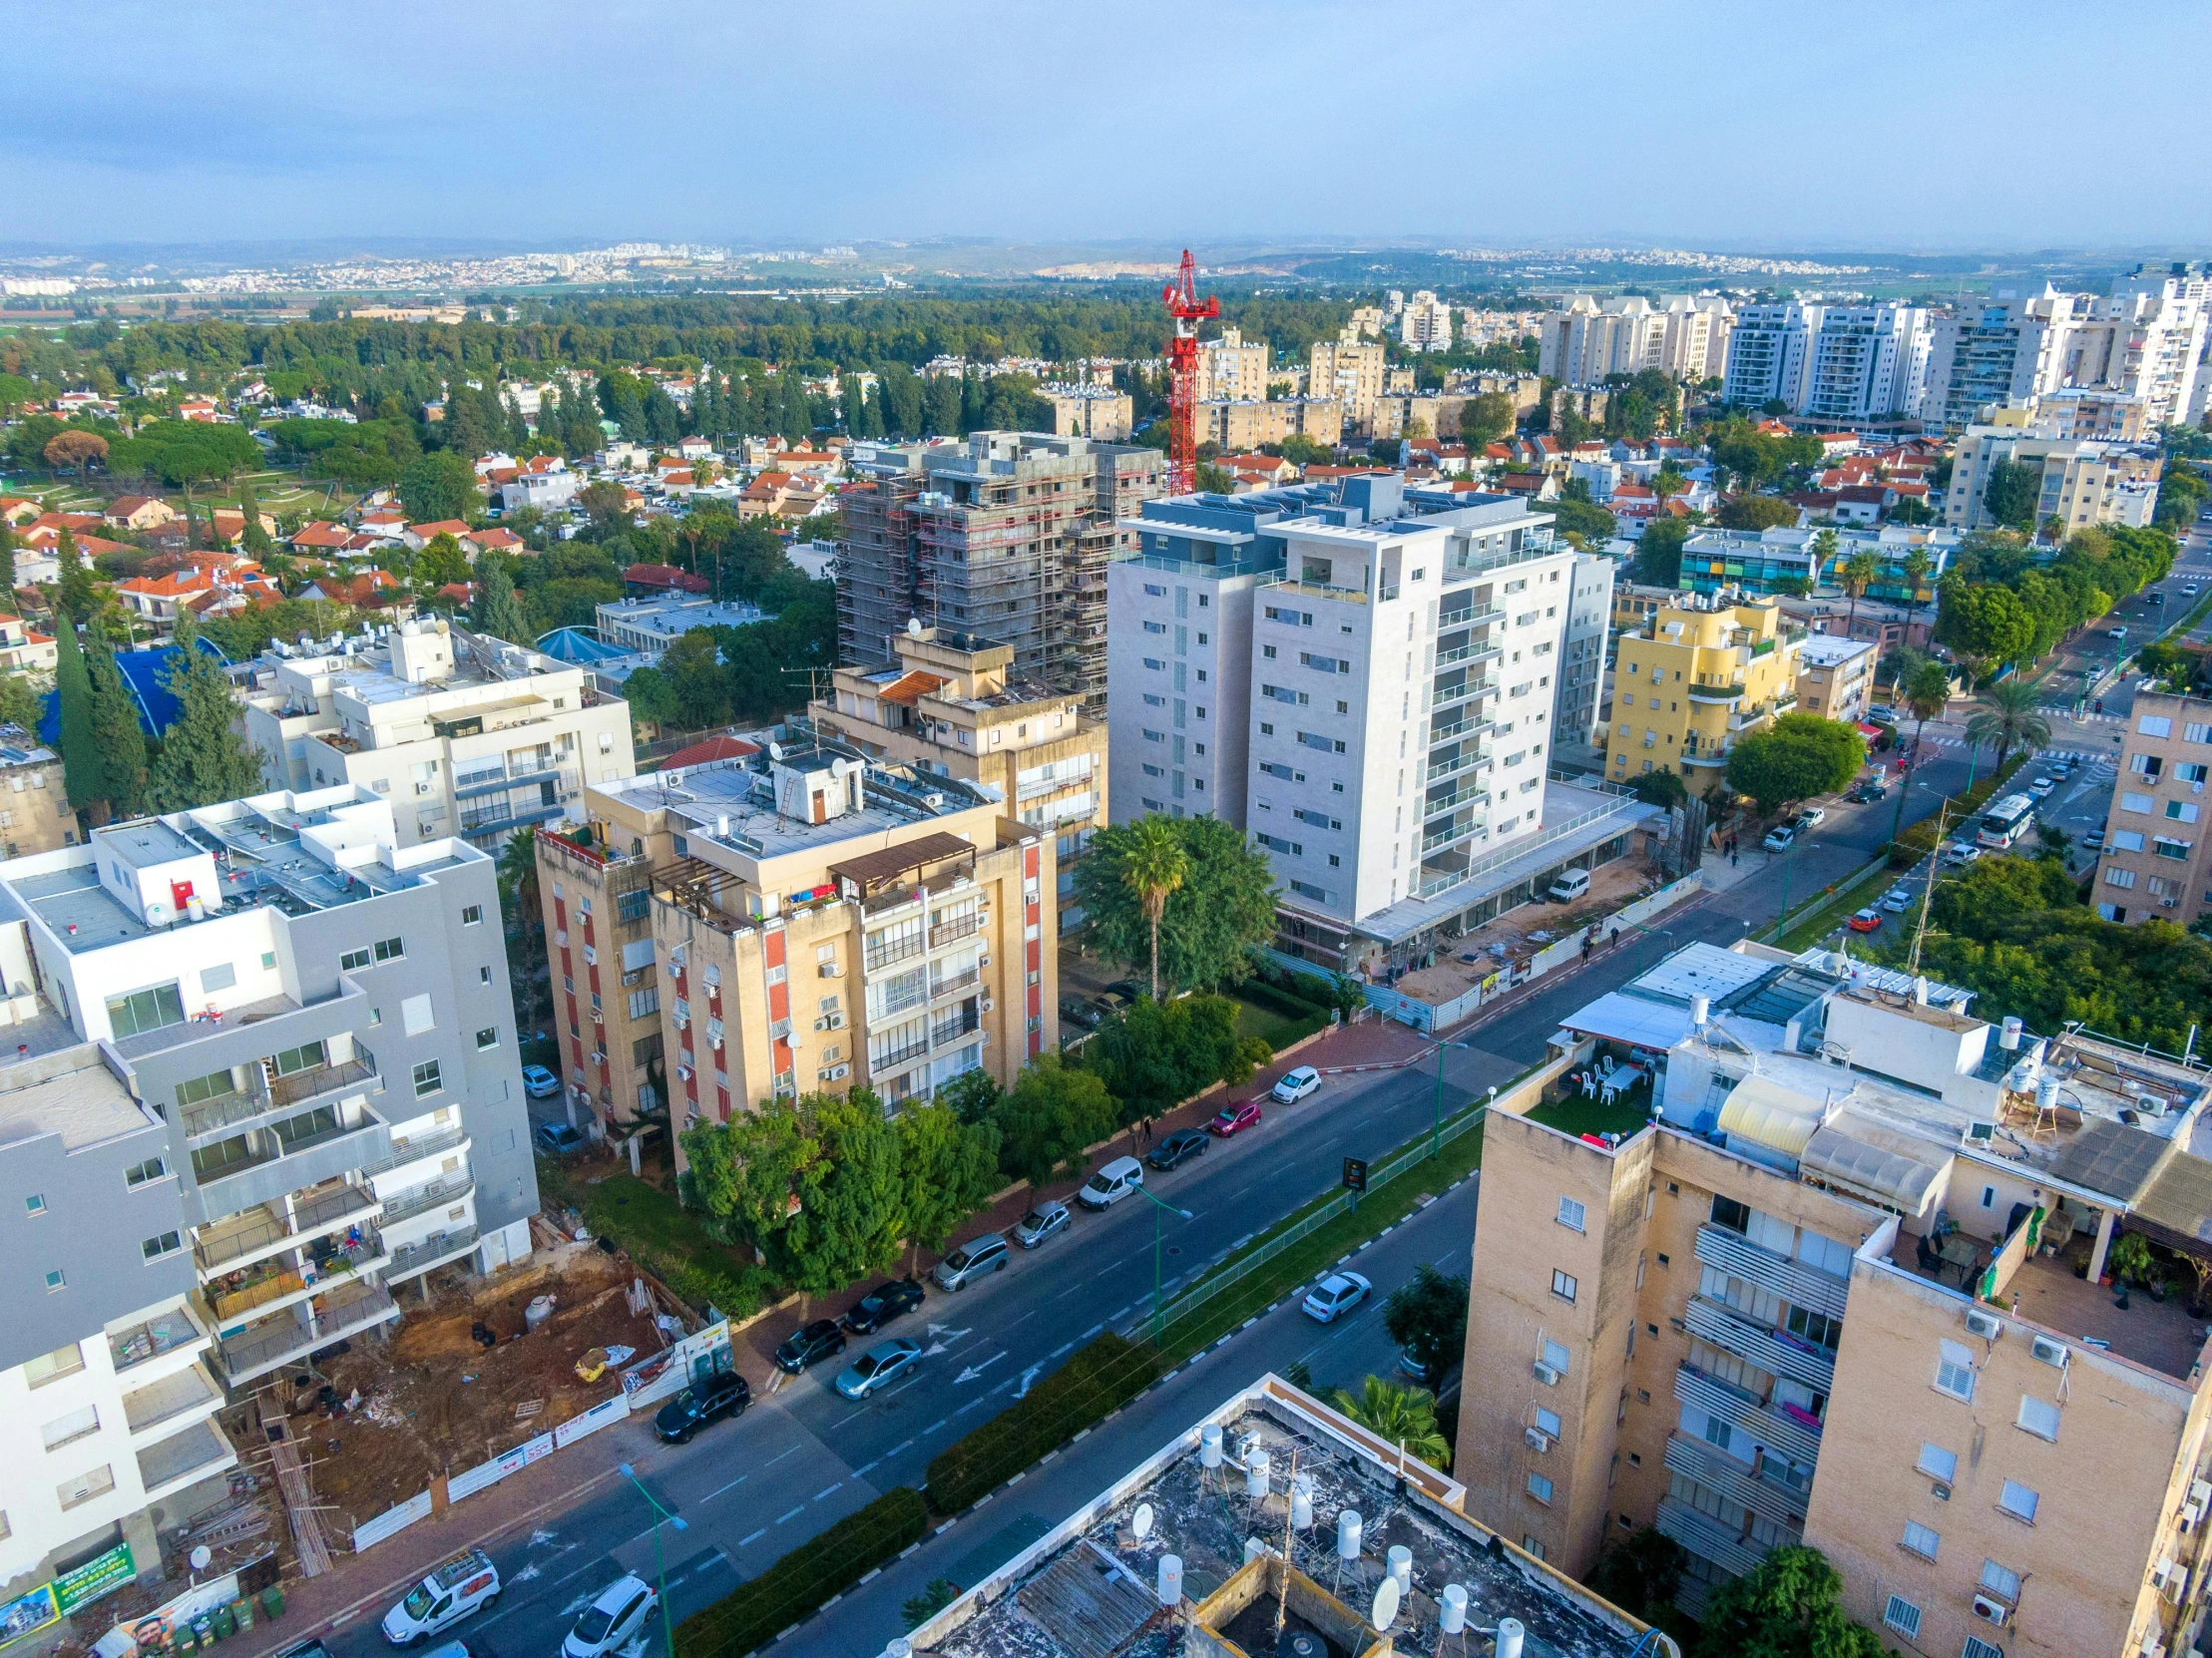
x=1634 y=1020
x=1877 y=1173
x=1770 y=1115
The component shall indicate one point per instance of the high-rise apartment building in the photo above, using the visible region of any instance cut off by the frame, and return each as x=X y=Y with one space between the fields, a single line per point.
x=1770 y=354
x=2080 y=480
x=2160 y=322
x=1583 y=647
x=1351 y=370
x=1005 y=535
x=1426 y=323
x=951 y=708
x=459 y=733
x=1868 y=363
x=2156 y=864
x=1830 y=1295
x=1685 y=335
x=1700 y=674
x=1232 y=368
x=812 y=922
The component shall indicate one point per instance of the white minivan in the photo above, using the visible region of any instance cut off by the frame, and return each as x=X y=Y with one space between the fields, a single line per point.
x=1570 y=885
x=446 y=1596
x=1111 y=1184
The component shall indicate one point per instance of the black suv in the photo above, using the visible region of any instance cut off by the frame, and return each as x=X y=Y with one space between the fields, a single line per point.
x=1177 y=1149
x=724 y=1394
x=810 y=1346
x=881 y=1305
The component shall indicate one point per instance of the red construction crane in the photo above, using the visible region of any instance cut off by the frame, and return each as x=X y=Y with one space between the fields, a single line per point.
x=1188 y=310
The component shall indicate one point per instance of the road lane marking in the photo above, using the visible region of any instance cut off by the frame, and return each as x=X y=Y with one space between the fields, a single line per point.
x=793 y=1514
x=933 y=1426
x=718 y=1489
x=1065 y=1347
x=894 y=1451
x=771 y=1462
x=1092 y=1331
x=746 y=1541
x=864 y=1467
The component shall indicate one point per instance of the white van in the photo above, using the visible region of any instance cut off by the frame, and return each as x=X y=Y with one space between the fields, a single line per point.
x=1570 y=885
x=446 y=1596
x=1111 y=1184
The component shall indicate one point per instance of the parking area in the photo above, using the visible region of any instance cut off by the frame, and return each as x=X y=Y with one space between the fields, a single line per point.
x=1512 y=937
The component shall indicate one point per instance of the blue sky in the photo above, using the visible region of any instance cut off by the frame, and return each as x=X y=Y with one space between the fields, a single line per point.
x=1780 y=125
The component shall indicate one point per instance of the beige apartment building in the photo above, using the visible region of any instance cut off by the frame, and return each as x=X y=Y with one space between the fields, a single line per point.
x=950 y=708
x=1835 y=675
x=1090 y=411
x=810 y=921
x=2082 y=481
x=1700 y=674
x=2157 y=844
x=1240 y=425
x=1828 y=1295
x=1352 y=370
x=1233 y=369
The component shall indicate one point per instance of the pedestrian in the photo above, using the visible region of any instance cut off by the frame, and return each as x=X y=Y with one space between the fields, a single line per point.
x=1734 y=862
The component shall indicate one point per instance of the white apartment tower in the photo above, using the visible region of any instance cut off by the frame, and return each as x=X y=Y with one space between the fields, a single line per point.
x=1770 y=352
x=1426 y=323
x=1868 y=363
x=1685 y=335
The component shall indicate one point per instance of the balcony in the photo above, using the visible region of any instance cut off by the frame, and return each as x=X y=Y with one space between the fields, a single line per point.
x=434 y=1251
x=907 y=1051
x=958 y=927
x=1773 y=1351
x=1439 y=770
x=175 y=1331
x=500 y=777
x=500 y=819
x=1706 y=1537
x=278 y=1286
x=155 y=1411
x=303 y=1088
x=1458 y=797
x=185 y=1459
x=419 y=1200
x=1764 y=1425
x=1718 y=1471
x=957 y=984
x=1795 y=1281
x=947 y=1032
x=894 y=951
x=299 y=1091
x=1717 y=693
x=1467 y=618
x=282 y=1338
x=229 y=1243
x=1470 y=692
x=1459 y=727
x=1447 y=837
x=272 y=1164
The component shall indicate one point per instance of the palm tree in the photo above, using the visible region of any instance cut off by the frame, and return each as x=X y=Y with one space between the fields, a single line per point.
x=1927 y=693
x=1402 y=1416
x=1855 y=578
x=1917 y=566
x=1155 y=866
x=1823 y=549
x=2010 y=717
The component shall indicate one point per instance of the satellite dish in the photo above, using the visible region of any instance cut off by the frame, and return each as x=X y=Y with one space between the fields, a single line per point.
x=202 y=1557
x=158 y=912
x=1384 y=1610
x=913 y=626
x=1141 y=1522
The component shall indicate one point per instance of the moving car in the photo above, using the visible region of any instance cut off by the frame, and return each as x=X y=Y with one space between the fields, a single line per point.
x=972 y=1260
x=1294 y=1086
x=1780 y=839
x=610 y=1621
x=1111 y=1184
x=560 y=1139
x=1045 y=1221
x=447 y=1595
x=1177 y=1149
x=1962 y=852
x=2119 y=636
x=724 y=1394
x=1230 y=1118
x=1897 y=901
x=538 y=1083
x=1336 y=1295
x=810 y=1345
x=2042 y=787
x=1865 y=921
x=1866 y=793
x=881 y=1305
x=884 y=1363
x=1810 y=818
x=1883 y=712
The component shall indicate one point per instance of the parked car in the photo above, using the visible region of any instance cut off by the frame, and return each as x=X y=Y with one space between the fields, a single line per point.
x=1336 y=1295
x=1232 y=1119
x=887 y=1301
x=1780 y=839
x=1865 y=921
x=1810 y=818
x=810 y=1345
x=610 y=1621
x=1570 y=885
x=1294 y=1086
x=1075 y=1011
x=724 y=1394
x=560 y=1139
x=1111 y=1184
x=1177 y=1148
x=2094 y=841
x=1866 y=793
x=972 y=1260
x=1883 y=712
x=449 y=1594
x=881 y=1365
x=1045 y=1222
x=538 y=1083
x=1896 y=901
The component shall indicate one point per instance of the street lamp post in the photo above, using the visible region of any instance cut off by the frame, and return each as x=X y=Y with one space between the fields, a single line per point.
x=1436 y=1132
x=659 y=1554
x=1159 y=1208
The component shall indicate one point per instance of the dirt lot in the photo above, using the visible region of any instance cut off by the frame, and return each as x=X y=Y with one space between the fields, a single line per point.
x=1515 y=936
x=435 y=1400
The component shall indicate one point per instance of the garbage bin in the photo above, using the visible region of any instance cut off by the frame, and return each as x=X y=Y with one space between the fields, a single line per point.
x=272 y=1601
x=226 y=1624
x=242 y=1612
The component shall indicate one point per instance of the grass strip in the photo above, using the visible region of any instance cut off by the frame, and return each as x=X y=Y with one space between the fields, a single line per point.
x=826 y=1564
x=669 y=1240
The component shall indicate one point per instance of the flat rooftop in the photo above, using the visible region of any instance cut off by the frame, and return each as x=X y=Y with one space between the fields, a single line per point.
x=700 y=797
x=678 y=614
x=67 y=1092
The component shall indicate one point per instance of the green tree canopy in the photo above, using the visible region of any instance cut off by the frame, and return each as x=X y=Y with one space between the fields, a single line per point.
x=498 y=611
x=1788 y=1606
x=1756 y=511
x=1157 y=1054
x=84 y=777
x=438 y=487
x=2009 y=494
x=1983 y=622
x=115 y=727
x=949 y=1169
x=1799 y=756
x=1047 y=1119
x=1209 y=925
x=203 y=759
x=1658 y=561
x=1427 y=1317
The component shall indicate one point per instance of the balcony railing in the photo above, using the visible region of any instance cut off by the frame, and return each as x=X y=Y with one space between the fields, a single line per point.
x=1473 y=690
x=1707 y=1538
x=296 y=1088
x=435 y=1250
x=911 y=1049
x=1766 y=1425
x=282 y=1338
x=949 y=932
x=153 y=1337
x=1792 y=1280
x=1439 y=770
x=419 y=1200
x=1773 y=1351
x=1446 y=837
x=958 y=983
x=1469 y=618
x=1717 y=694
x=413 y=1150
x=1457 y=728
x=1718 y=1471
x=240 y=1238
x=1459 y=798
x=893 y=950
x=947 y=1032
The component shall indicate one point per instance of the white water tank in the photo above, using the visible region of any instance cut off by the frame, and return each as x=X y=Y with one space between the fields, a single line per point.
x=1171 y=1580
x=1453 y=1618
x=2008 y=1037
x=1209 y=1446
x=1401 y=1567
x=1301 y=1502
x=1348 y=1535
x=1256 y=1469
x=1919 y=989
x=1701 y=1008
x=2046 y=1095
x=1509 y=1639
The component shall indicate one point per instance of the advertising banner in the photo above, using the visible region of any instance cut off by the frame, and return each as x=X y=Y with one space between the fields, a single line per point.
x=101 y=1575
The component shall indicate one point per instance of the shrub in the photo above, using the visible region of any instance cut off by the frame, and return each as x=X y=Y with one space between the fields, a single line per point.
x=754 y=1613
x=1290 y=1002
x=1090 y=1387
x=667 y=1241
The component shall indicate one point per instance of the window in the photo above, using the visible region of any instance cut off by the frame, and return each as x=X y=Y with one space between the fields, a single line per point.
x=138 y=1175
x=56 y=1280
x=1731 y=1214
x=1555 y=1356
x=220 y=977
x=2155 y=725
x=1563 y=1285
x=160 y=1245
x=1921 y=1540
x=1570 y=1213
x=1979 y=1648
x=2182 y=811
x=305 y=1056
x=1937 y=1463
x=354 y=961
x=2019 y=1501
x=426 y=1078
x=52 y=1367
x=149 y=1010
x=1540 y=1487
x=1547 y=1422
x=35 y=1204
x=2000 y=1581
x=390 y=950
x=487 y=1038
x=1903 y=1616
x=483 y=976
x=2131 y=802
x=473 y=915
x=1955 y=1370
x=2039 y=1416
x=1817 y=1328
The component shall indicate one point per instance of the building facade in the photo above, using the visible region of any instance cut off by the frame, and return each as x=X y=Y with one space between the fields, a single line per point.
x=1426 y=323
x=1770 y=353
x=1351 y=370
x=1233 y=369
x=1685 y=335
x=1244 y=424
x=2080 y=480
x=35 y=813
x=648 y=625
x=1784 y=561
x=458 y=732
x=1700 y=675
x=1091 y=411
x=1835 y=675
x=2154 y=864
x=1583 y=649
x=1869 y=364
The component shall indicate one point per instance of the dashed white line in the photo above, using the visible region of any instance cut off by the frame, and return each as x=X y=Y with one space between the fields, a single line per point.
x=771 y=1462
x=826 y=1489
x=753 y=1537
x=718 y=1489
x=864 y=1467
x=933 y=1426
x=893 y=1452
x=793 y=1514
x=1063 y=1348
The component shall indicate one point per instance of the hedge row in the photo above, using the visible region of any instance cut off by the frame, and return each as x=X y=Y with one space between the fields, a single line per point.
x=754 y=1614
x=1091 y=1386
x=1276 y=1000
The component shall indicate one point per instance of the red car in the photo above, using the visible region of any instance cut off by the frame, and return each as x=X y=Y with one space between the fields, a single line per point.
x=1866 y=921
x=1230 y=1118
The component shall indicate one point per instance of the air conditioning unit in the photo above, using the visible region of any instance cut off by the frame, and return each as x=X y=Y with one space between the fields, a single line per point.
x=1536 y=1439
x=599 y=1059
x=1939 y=1490
x=2199 y=1503
x=832 y=970
x=986 y=1004
x=835 y=1073
x=984 y=959
x=1984 y=1324
x=682 y=1021
x=684 y=1073
x=2166 y=1577
x=1990 y=1610
x=591 y=956
x=424 y=788
x=2170 y=903
x=2050 y=1352
x=1545 y=1374
x=599 y=1016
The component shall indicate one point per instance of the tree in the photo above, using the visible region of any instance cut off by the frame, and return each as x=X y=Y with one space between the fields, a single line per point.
x=1756 y=511
x=2010 y=493
x=21 y=703
x=1210 y=923
x=83 y=778
x=949 y=1167
x=1427 y=1317
x=1486 y=419
x=1659 y=788
x=1153 y=865
x=1157 y=1054
x=76 y=596
x=741 y=1175
x=1927 y=695
x=851 y=1214
x=1641 y=1574
x=1917 y=566
x=1575 y=514
x=440 y=563
x=1823 y=551
x=1790 y=1605
x=694 y=671
x=203 y=759
x=1049 y=1117
x=75 y=450
x=1398 y=1415
x=1855 y=578
x=438 y=487
x=605 y=503
x=257 y=539
x=7 y=567
x=1658 y=561
x=1983 y=622
x=115 y=727
x=498 y=611
x=2010 y=717
x=1799 y=756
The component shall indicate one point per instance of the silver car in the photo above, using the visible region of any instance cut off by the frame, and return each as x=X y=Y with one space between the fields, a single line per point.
x=972 y=1260
x=1047 y=1220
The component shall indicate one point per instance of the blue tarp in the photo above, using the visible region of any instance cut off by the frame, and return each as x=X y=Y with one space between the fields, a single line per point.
x=579 y=644
x=142 y=671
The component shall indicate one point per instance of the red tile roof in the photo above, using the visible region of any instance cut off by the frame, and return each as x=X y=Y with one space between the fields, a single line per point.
x=713 y=748
x=665 y=578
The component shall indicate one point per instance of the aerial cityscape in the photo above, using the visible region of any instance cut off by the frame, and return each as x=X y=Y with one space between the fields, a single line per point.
x=821 y=885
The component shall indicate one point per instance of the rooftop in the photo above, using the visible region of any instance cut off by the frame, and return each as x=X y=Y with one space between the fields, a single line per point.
x=677 y=613
x=70 y=1094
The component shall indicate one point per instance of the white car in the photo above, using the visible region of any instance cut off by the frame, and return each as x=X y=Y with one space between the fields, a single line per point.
x=447 y=1595
x=1112 y=1183
x=2042 y=787
x=1897 y=901
x=1781 y=839
x=1810 y=818
x=1294 y=1086
x=538 y=1083
x=1962 y=852
x=618 y=1615
x=1336 y=1295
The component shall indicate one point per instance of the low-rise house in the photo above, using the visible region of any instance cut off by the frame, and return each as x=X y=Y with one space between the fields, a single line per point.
x=138 y=512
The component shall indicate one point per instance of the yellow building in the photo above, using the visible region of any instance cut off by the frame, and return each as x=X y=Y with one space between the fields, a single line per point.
x=1702 y=672
x=950 y=708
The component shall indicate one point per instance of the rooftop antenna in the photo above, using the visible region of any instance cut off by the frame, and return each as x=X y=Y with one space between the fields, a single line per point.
x=1282 y=1590
x=1927 y=893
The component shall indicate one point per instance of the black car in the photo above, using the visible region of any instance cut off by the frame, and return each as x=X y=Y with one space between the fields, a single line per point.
x=881 y=1305
x=724 y=1394
x=1177 y=1148
x=810 y=1346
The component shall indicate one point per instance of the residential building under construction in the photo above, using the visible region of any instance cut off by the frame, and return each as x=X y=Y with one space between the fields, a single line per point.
x=1003 y=533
